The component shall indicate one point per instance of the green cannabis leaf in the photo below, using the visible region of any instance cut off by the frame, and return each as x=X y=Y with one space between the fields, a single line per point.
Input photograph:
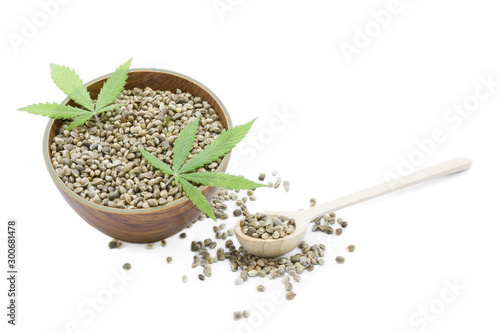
x=54 y=110
x=184 y=144
x=196 y=197
x=156 y=162
x=72 y=85
x=113 y=86
x=181 y=171
x=219 y=147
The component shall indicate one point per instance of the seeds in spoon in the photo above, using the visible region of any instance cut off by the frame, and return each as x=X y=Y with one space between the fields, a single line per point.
x=267 y=227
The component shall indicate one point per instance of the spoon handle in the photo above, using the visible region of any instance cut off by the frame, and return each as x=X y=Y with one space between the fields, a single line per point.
x=445 y=168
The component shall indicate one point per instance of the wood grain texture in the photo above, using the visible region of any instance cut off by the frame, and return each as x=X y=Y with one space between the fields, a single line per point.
x=269 y=248
x=140 y=225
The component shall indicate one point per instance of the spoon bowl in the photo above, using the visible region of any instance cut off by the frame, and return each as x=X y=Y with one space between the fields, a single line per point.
x=269 y=248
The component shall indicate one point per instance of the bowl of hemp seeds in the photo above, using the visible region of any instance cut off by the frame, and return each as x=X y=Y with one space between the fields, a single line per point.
x=101 y=173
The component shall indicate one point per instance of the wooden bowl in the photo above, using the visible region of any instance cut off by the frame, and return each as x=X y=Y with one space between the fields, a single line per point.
x=148 y=224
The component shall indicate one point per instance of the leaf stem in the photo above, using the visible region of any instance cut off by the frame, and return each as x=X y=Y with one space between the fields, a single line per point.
x=169 y=181
x=98 y=122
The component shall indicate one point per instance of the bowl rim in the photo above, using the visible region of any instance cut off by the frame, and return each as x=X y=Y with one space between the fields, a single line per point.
x=48 y=159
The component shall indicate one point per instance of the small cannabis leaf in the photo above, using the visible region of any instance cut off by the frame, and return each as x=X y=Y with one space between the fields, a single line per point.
x=181 y=170
x=71 y=84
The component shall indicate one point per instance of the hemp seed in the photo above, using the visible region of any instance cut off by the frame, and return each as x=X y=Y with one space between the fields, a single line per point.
x=290 y=295
x=340 y=260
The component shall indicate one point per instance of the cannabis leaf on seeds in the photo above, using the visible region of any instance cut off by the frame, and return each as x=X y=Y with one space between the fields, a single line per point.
x=181 y=169
x=71 y=84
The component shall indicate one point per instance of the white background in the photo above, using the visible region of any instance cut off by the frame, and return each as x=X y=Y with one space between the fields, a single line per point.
x=350 y=124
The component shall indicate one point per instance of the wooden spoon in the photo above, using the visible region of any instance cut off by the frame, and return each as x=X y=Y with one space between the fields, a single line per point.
x=268 y=248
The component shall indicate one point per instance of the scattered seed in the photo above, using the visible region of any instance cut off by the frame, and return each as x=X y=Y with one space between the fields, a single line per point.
x=286 y=185
x=237 y=315
x=237 y=212
x=184 y=279
x=274 y=173
x=340 y=259
x=261 y=288
x=127 y=266
x=290 y=295
x=238 y=281
x=169 y=260
x=312 y=201
x=338 y=231
x=163 y=243
x=150 y=246
x=262 y=176
x=182 y=235
x=201 y=277
x=246 y=313
x=288 y=286
x=351 y=248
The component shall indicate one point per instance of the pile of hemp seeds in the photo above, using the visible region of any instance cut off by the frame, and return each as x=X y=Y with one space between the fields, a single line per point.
x=105 y=167
x=288 y=269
